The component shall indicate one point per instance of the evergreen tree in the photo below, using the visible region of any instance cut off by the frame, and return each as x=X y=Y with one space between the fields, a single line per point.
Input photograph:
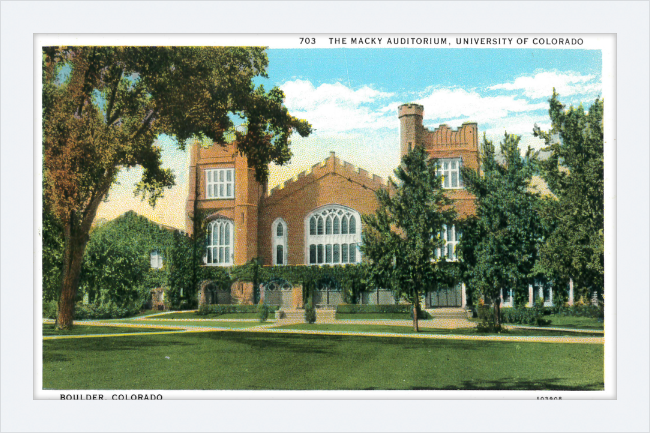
x=574 y=173
x=401 y=239
x=499 y=244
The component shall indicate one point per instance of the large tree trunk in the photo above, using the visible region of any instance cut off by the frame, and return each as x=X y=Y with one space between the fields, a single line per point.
x=72 y=260
x=76 y=232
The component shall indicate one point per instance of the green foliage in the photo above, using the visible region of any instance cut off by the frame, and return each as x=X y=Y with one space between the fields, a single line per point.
x=52 y=261
x=107 y=311
x=107 y=113
x=310 y=312
x=574 y=173
x=50 y=309
x=500 y=243
x=591 y=311
x=401 y=239
x=262 y=312
x=353 y=309
x=117 y=263
x=524 y=316
x=219 y=309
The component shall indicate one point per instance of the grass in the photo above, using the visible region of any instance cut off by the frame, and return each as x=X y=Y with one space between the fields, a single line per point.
x=236 y=360
x=575 y=322
x=211 y=316
x=48 y=330
x=409 y=330
x=221 y=324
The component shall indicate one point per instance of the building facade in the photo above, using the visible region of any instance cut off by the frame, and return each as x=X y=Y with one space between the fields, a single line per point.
x=314 y=218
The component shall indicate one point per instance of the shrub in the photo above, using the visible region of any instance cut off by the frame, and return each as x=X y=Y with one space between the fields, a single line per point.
x=106 y=311
x=262 y=312
x=219 y=309
x=50 y=310
x=310 y=312
x=391 y=308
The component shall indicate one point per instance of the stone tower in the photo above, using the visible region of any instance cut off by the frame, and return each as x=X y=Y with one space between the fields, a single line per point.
x=411 y=128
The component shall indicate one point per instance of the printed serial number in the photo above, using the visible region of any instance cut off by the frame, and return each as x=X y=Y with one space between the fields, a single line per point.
x=549 y=398
x=309 y=41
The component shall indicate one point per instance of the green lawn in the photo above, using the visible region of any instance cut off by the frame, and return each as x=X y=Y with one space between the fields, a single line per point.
x=48 y=329
x=211 y=316
x=220 y=324
x=409 y=330
x=574 y=322
x=236 y=360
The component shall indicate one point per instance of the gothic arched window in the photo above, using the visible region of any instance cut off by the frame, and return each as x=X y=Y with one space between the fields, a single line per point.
x=219 y=250
x=279 y=242
x=331 y=236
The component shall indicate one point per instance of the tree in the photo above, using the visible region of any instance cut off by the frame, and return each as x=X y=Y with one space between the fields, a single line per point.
x=117 y=267
x=103 y=108
x=574 y=173
x=401 y=239
x=499 y=244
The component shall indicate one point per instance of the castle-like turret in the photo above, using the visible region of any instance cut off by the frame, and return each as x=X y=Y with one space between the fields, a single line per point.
x=411 y=128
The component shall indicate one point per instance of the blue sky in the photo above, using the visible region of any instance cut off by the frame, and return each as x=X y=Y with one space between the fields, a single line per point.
x=351 y=96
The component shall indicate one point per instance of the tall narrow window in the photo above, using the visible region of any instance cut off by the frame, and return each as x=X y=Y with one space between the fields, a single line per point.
x=279 y=257
x=335 y=233
x=220 y=183
x=451 y=236
x=220 y=243
x=279 y=233
x=156 y=260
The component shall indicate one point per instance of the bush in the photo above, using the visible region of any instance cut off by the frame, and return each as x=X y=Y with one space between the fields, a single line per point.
x=219 y=309
x=50 y=310
x=262 y=312
x=310 y=312
x=96 y=311
x=356 y=308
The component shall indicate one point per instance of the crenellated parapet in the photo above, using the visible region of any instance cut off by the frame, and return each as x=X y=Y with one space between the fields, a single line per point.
x=329 y=166
x=466 y=137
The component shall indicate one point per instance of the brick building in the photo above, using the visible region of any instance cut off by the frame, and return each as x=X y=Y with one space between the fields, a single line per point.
x=315 y=217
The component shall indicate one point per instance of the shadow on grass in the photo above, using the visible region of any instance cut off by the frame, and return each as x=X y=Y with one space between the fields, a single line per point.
x=312 y=344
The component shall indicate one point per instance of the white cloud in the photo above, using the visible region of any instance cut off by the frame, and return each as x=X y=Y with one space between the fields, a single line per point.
x=541 y=84
x=335 y=108
x=456 y=105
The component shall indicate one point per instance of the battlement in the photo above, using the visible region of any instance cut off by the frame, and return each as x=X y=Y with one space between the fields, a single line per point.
x=445 y=137
x=410 y=109
x=332 y=165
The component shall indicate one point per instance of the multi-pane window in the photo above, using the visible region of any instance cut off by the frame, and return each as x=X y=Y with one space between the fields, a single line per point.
x=449 y=169
x=279 y=242
x=156 y=260
x=332 y=236
x=220 y=183
x=220 y=249
x=451 y=236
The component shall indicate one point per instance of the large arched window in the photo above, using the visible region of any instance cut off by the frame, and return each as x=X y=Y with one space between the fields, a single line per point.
x=332 y=236
x=279 y=242
x=220 y=251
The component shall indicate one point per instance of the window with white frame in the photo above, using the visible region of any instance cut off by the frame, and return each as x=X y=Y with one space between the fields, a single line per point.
x=220 y=250
x=220 y=183
x=333 y=235
x=449 y=169
x=451 y=236
x=156 y=260
x=279 y=242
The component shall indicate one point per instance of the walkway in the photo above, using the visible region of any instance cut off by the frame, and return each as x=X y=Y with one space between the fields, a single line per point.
x=168 y=328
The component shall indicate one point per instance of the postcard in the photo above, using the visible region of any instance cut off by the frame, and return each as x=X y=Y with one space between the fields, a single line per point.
x=365 y=216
